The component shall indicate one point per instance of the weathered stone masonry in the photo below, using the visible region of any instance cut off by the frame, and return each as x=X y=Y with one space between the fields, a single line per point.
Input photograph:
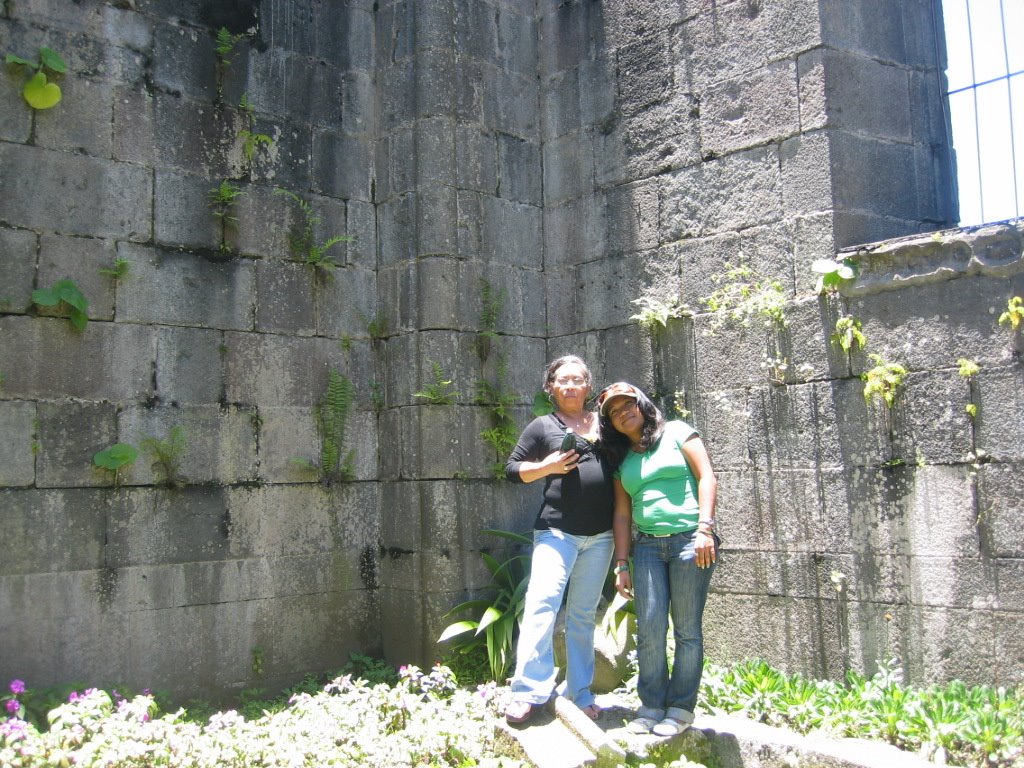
x=575 y=156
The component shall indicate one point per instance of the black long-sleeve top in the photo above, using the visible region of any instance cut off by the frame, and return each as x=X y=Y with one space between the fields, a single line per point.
x=580 y=502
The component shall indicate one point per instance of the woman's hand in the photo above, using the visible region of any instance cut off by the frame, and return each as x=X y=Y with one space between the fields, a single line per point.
x=624 y=584
x=559 y=463
x=704 y=546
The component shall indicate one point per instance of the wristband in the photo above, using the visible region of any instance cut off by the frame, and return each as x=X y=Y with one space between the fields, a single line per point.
x=624 y=568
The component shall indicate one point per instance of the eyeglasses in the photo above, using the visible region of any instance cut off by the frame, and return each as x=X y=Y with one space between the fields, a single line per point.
x=622 y=410
x=563 y=381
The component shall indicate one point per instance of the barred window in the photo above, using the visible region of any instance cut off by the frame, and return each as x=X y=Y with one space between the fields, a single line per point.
x=985 y=74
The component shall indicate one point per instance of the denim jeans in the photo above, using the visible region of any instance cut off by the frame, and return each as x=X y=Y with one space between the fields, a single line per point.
x=561 y=559
x=667 y=581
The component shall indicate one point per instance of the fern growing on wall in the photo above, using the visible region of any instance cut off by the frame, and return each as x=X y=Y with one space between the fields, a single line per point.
x=335 y=463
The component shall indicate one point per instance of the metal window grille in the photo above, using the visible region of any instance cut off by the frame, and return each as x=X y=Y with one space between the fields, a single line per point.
x=985 y=77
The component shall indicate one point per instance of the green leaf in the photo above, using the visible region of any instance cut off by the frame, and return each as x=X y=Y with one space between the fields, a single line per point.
x=116 y=456
x=511 y=535
x=456 y=629
x=10 y=58
x=40 y=94
x=52 y=59
x=491 y=615
x=45 y=297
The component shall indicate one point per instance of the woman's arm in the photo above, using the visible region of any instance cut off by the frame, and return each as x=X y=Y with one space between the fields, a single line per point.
x=696 y=456
x=622 y=531
x=522 y=467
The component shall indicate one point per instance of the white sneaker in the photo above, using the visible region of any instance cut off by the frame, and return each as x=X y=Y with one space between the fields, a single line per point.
x=669 y=727
x=641 y=725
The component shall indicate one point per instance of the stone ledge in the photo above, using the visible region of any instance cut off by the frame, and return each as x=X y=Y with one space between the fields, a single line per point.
x=992 y=250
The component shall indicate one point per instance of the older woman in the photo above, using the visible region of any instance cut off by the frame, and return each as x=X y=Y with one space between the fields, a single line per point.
x=666 y=486
x=572 y=542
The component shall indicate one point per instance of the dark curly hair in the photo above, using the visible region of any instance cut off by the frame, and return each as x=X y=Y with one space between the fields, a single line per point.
x=618 y=445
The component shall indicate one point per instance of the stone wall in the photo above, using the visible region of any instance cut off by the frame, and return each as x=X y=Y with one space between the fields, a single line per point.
x=550 y=161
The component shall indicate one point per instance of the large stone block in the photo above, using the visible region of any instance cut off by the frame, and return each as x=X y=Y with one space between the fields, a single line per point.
x=718 y=44
x=342 y=165
x=574 y=232
x=15 y=113
x=951 y=582
x=285 y=297
x=219 y=443
x=476 y=159
x=95 y=646
x=70 y=434
x=902 y=330
x=999 y=427
x=189 y=366
x=806 y=162
x=510 y=233
x=110 y=199
x=17 y=269
x=154 y=527
x=1008 y=629
x=171 y=130
x=939 y=512
x=632 y=219
x=750 y=110
x=52 y=530
x=18 y=451
x=935 y=634
x=859 y=94
x=346 y=302
x=288 y=439
x=89 y=133
x=181 y=288
x=930 y=423
x=435 y=442
x=863 y=429
x=511 y=103
x=568 y=34
x=295 y=520
x=80 y=259
x=607 y=289
x=184 y=216
x=560 y=104
x=568 y=167
x=787 y=430
x=519 y=170
x=184 y=60
x=1000 y=508
x=47 y=358
x=734 y=192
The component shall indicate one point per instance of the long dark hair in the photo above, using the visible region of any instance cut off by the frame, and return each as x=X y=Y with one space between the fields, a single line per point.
x=618 y=445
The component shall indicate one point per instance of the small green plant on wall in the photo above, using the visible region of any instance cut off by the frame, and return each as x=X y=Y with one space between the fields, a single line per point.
x=743 y=296
x=251 y=140
x=39 y=92
x=833 y=273
x=115 y=458
x=166 y=455
x=848 y=334
x=65 y=292
x=336 y=464
x=302 y=240
x=883 y=381
x=1014 y=314
x=222 y=201
x=542 y=404
x=440 y=391
x=118 y=270
x=968 y=369
x=502 y=435
x=225 y=48
x=654 y=314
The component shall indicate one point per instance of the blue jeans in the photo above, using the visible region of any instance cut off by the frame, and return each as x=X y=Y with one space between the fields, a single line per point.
x=667 y=581
x=561 y=559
